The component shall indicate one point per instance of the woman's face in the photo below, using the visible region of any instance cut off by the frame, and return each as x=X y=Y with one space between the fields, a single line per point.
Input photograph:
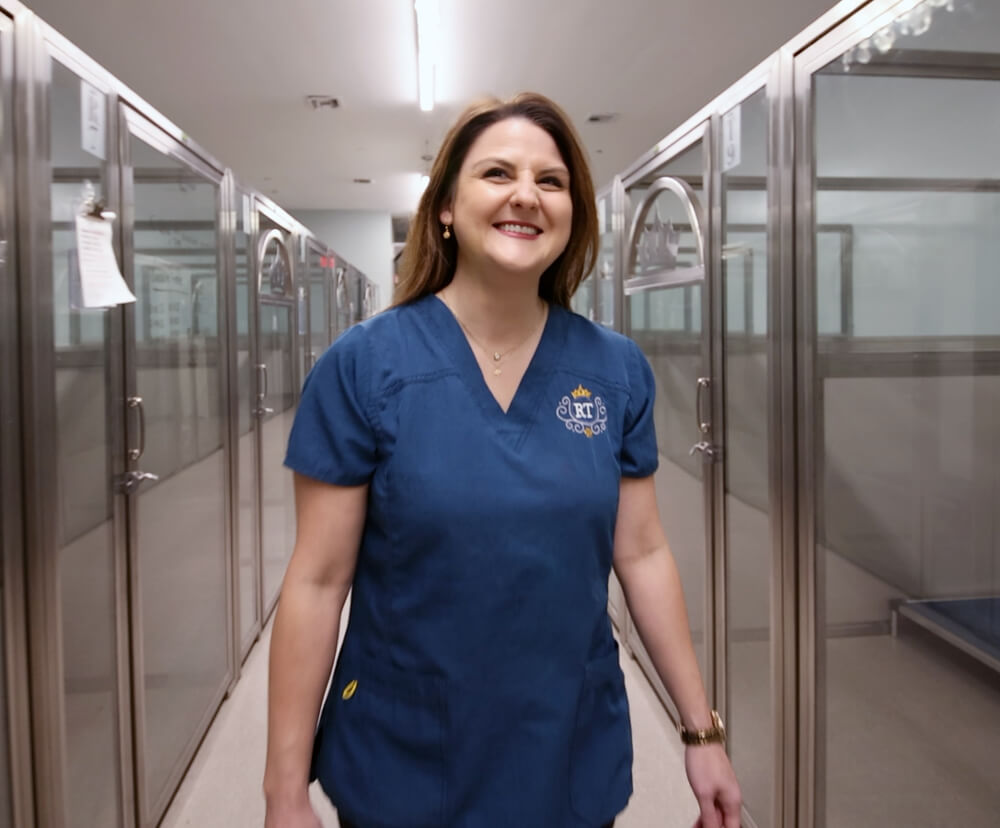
x=511 y=208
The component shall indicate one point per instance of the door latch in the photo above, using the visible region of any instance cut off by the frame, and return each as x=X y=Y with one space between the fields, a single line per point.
x=712 y=453
x=130 y=481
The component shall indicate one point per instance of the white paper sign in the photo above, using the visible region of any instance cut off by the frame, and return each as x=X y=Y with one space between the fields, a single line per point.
x=93 y=120
x=101 y=283
x=731 y=139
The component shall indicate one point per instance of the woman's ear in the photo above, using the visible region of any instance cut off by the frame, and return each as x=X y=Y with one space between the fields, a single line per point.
x=445 y=216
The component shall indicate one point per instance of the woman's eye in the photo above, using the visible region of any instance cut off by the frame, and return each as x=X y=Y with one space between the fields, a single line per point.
x=553 y=181
x=496 y=172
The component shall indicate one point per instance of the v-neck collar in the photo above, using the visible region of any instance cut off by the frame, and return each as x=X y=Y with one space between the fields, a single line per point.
x=532 y=384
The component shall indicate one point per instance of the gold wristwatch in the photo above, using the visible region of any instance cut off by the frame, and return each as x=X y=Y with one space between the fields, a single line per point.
x=716 y=734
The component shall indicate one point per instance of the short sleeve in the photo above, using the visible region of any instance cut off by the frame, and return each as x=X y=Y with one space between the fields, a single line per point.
x=332 y=437
x=639 y=457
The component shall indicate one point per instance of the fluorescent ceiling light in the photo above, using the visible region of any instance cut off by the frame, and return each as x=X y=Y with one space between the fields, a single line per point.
x=424 y=181
x=427 y=12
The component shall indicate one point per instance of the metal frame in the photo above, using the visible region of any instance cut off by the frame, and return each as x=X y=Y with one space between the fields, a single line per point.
x=12 y=578
x=228 y=331
x=619 y=221
x=264 y=208
x=843 y=34
x=244 y=204
x=314 y=247
x=133 y=123
x=703 y=134
x=782 y=398
x=37 y=46
x=698 y=226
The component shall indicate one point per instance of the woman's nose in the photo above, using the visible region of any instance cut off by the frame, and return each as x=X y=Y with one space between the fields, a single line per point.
x=525 y=194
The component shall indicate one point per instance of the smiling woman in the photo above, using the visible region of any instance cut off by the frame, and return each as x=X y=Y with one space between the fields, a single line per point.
x=430 y=259
x=470 y=465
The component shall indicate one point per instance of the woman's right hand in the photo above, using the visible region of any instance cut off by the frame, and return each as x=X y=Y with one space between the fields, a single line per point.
x=297 y=814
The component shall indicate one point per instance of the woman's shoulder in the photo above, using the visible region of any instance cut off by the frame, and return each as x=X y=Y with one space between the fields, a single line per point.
x=389 y=345
x=385 y=330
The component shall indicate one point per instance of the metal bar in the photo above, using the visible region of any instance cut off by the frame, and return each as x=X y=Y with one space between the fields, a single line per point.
x=810 y=646
x=665 y=278
x=665 y=151
x=229 y=409
x=619 y=221
x=749 y=289
x=781 y=436
x=118 y=466
x=32 y=123
x=15 y=612
x=930 y=63
x=148 y=175
x=864 y=184
x=130 y=368
x=715 y=428
x=846 y=284
x=149 y=130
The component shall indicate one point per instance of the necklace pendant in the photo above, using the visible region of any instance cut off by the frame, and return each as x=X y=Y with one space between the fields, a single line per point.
x=497 y=371
x=496 y=356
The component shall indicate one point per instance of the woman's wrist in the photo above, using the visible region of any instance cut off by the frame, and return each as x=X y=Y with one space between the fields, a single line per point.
x=712 y=733
x=291 y=790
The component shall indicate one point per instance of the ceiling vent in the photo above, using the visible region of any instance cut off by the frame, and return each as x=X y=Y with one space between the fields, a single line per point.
x=602 y=117
x=323 y=102
x=362 y=181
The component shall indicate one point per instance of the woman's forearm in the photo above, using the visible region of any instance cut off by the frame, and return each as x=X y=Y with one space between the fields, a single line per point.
x=303 y=646
x=655 y=599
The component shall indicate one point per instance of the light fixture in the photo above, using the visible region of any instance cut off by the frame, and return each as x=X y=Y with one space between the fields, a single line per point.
x=424 y=181
x=914 y=22
x=428 y=19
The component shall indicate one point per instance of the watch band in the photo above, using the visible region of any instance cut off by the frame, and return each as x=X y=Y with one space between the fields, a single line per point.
x=716 y=734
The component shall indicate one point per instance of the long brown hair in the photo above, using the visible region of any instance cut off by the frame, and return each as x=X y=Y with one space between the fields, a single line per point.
x=428 y=261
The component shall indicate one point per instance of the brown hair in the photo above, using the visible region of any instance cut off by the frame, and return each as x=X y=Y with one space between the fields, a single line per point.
x=428 y=260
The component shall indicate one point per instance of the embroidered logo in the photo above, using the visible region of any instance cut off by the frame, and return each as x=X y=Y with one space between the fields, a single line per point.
x=583 y=414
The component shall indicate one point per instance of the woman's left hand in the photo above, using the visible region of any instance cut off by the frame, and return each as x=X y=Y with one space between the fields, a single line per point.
x=714 y=785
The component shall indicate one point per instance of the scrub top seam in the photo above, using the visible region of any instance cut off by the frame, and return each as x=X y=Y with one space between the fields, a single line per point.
x=610 y=383
x=370 y=409
x=399 y=384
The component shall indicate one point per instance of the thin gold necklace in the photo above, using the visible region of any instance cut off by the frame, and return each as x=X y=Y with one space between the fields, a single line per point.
x=497 y=356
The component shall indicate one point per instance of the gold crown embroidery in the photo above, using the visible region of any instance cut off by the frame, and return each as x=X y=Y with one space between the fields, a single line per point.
x=583 y=413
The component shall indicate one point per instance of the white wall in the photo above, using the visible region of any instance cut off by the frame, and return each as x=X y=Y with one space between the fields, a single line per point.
x=363 y=237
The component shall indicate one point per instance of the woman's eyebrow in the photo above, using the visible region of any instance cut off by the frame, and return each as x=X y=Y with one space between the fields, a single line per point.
x=493 y=162
x=500 y=162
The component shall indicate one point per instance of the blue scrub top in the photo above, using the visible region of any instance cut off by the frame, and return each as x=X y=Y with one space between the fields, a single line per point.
x=479 y=684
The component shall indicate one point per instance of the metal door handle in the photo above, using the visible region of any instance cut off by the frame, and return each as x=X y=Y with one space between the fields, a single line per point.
x=261 y=382
x=136 y=404
x=262 y=410
x=704 y=426
x=132 y=480
x=710 y=451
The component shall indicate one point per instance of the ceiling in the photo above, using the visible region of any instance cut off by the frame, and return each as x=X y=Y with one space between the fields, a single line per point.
x=234 y=75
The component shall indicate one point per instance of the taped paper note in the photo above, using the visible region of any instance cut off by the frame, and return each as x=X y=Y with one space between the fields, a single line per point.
x=101 y=283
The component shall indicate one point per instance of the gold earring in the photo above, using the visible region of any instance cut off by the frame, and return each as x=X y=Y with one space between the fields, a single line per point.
x=447 y=232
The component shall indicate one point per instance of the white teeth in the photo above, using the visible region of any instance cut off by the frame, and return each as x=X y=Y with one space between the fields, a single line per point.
x=519 y=228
